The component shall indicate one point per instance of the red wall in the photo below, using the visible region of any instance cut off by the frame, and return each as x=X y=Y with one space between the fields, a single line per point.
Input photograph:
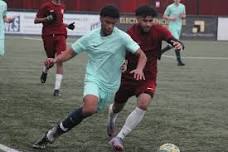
x=205 y=7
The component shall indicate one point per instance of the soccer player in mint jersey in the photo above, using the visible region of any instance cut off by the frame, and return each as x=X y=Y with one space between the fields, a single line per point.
x=175 y=13
x=3 y=18
x=149 y=36
x=54 y=35
x=106 y=48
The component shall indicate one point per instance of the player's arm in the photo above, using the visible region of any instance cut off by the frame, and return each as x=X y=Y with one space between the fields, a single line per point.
x=177 y=44
x=183 y=15
x=167 y=15
x=170 y=18
x=51 y=17
x=65 y=56
x=142 y=59
x=8 y=19
x=40 y=20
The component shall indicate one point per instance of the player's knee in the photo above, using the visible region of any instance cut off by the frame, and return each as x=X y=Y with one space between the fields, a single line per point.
x=143 y=104
x=90 y=105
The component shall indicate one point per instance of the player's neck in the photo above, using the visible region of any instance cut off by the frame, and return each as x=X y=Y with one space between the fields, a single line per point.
x=56 y=2
x=177 y=4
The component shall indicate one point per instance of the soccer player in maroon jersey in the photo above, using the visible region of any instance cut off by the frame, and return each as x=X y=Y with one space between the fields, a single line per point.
x=149 y=36
x=54 y=35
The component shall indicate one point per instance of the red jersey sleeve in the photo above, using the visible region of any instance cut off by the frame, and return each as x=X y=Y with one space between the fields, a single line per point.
x=42 y=11
x=164 y=33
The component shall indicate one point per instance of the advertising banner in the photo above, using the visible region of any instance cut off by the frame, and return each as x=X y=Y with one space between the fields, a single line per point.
x=24 y=23
x=200 y=27
x=222 y=28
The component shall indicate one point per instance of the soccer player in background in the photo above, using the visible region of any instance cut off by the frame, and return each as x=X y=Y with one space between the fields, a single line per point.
x=3 y=18
x=54 y=35
x=106 y=48
x=149 y=35
x=175 y=13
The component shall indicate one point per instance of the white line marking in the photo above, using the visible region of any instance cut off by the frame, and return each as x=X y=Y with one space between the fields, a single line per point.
x=167 y=56
x=7 y=149
x=200 y=58
x=32 y=38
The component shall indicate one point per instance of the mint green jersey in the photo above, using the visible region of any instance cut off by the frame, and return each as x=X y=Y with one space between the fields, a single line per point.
x=3 y=8
x=174 y=10
x=105 y=56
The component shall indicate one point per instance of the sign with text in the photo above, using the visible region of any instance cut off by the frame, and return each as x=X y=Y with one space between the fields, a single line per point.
x=24 y=23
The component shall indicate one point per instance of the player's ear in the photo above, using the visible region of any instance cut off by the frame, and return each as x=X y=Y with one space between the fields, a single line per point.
x=138 y=18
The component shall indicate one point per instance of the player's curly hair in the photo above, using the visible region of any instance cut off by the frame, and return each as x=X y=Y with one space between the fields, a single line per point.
x=110 y=11
x=145 y=10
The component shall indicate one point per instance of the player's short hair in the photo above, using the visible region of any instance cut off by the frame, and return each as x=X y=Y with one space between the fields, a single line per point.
x=110 y=11
x=145 y=10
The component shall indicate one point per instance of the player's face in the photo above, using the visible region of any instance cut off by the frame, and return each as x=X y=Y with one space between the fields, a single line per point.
x=57 y=1
x=145 y=23
x=107 y=25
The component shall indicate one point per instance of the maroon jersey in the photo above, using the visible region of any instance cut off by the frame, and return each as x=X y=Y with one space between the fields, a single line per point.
x=57 y=27
x=150 y=43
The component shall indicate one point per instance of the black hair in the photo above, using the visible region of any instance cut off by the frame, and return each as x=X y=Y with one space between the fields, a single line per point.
x=110 y=11
x=145 y=10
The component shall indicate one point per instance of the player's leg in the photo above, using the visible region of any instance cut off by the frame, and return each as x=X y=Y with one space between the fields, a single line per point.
x=48 y=43
x=136 y=115
x=147 y=90
x=120 y=99
x=60 y=42
x=177 y=33
x=89 y=107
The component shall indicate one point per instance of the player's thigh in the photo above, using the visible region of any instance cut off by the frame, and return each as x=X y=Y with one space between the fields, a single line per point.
x=106 y=98
x=90 y=97
x=60 y=44
x=147 y=87
x=126 y=90
x=145 y=93
x=49 y=46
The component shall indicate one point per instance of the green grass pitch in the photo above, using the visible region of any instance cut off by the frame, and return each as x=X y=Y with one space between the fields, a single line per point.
x=190 y=108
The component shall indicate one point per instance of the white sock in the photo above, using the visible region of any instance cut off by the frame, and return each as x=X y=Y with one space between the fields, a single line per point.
x=44 y=69
x=131 y=122
x=112 y=116
x=58 y=81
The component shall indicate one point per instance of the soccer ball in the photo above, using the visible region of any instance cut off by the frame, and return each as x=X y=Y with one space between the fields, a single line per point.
x=168 y=148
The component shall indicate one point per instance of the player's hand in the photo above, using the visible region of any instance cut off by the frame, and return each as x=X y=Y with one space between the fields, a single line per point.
x=138 y=74
x=177 y=45
x=71 y=26
x=49 y=62
x=182 y=15
x=124 y=66
x=51 y=16
x=172 y=18
x=11 y=19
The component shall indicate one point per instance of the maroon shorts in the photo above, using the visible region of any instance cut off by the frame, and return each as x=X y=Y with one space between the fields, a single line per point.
x=129 y=88
x=54 y=45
